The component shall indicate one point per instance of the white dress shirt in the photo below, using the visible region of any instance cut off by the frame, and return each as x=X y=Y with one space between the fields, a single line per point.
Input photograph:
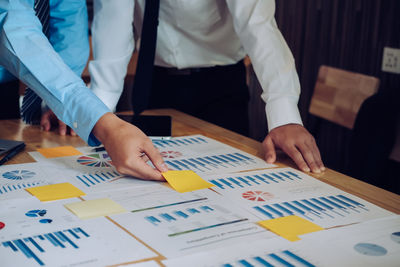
x=198 y=33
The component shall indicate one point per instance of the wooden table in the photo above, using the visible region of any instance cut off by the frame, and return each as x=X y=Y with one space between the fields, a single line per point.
x=187 y=125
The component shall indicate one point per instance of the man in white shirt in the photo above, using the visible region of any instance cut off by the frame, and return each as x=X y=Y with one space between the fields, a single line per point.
x=202 y=36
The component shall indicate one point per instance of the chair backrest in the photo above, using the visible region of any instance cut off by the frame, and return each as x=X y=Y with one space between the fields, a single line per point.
x=338 y=95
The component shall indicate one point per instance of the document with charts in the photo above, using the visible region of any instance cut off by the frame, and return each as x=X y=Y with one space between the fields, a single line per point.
x=373 y=243
x=15 y=178
x=204 y=155
x=176 y=224
x=34 y=233
x=281 y=192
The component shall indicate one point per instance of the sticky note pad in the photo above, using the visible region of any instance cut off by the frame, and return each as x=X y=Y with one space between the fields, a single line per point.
x=55 y=191
x=60 y=151
x=95 y=208
x=185 y=181
x=290 y=227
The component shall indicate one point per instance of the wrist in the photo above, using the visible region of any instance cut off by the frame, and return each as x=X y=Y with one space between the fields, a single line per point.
x=104 y=125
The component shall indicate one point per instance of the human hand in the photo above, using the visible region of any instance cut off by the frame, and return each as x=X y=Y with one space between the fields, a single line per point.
x=49 y=119
x=129 y=148
x=298 y=143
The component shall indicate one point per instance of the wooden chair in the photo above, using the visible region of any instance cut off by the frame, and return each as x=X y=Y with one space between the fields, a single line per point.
x=338 y=95
x=337 y=98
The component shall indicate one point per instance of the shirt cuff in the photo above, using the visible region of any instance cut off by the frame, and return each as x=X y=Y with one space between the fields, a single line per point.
x=83 y=110
x=281 y=112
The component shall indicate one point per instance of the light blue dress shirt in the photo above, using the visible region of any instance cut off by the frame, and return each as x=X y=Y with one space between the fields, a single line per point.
x=52 y=69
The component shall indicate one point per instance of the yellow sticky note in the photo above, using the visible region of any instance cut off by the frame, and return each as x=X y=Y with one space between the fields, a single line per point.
x=60 y=151
x=185 y=181
x=290 y=227
x=95 y=208
x=55 y=191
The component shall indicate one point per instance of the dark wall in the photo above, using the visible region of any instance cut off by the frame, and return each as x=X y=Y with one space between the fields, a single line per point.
x=347 y=34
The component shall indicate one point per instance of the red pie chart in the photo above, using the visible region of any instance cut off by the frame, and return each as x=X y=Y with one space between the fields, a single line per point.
x=257 y=195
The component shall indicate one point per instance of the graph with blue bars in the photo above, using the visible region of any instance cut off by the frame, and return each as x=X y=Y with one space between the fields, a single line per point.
x=92 y=179
x=244 y=181
x=32 y=247
x=7 y=188
x=180 y=142
x=285 y=258
x=324 y=207
x=211 y=162
x=178 y=215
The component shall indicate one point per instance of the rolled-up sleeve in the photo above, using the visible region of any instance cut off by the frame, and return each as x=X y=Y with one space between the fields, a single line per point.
x=28 y=55
x=273 y=62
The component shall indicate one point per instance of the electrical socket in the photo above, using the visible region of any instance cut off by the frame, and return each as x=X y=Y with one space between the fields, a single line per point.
x=391 y=60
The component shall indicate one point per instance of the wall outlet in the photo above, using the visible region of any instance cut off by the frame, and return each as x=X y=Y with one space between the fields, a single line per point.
x=391 y=60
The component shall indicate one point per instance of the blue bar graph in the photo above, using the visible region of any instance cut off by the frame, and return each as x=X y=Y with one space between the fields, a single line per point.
x=254 y=180
x=179 y=142
x=326 y=207
x=7 y=188
x=92 y=179
x=29 y=246
x=279 y=258
x=209 y=163
x=177 y=215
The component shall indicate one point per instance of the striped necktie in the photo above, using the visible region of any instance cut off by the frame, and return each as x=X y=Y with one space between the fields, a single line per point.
x=144 y=73
x=31 y=103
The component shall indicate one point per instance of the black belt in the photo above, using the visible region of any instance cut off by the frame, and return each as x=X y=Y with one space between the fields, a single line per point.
x=190 y=71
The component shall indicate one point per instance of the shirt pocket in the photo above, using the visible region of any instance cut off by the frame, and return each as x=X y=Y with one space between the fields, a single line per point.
x=198 y=15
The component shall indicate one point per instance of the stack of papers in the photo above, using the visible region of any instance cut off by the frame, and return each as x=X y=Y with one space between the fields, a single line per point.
x=219 y=207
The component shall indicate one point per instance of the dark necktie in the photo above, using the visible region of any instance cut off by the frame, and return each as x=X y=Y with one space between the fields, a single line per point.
x=31 y=103
x=144 y=71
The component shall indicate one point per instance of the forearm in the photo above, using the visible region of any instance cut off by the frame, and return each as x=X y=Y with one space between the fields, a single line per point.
x=28 y=55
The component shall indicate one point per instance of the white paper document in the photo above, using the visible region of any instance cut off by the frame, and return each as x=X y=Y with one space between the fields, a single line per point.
x=46 y=234
x=373 y=243
x=204 y=155
x=14 y=179
x=275 y=193
x=198 y=222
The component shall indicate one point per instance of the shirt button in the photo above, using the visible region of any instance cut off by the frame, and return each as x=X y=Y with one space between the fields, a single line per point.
x=75 y=124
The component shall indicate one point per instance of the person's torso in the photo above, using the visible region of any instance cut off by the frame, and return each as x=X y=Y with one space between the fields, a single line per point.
x=195 y=33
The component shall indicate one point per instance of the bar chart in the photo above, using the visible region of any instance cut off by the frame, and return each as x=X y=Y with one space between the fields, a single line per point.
x=178 y=215
x=9 y=187
x=316 y=208
x=92 y=179
x=31 y=247
x=261 y=178
x=216 y=163
x=286 y=258
x=180 y=142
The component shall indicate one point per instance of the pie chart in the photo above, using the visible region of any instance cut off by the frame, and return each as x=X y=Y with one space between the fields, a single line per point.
x=257 y=196
x=171 y=154
x=18 y=174
x=36 y=213
x=370 y=249
x=95 y=160
x=395 y=237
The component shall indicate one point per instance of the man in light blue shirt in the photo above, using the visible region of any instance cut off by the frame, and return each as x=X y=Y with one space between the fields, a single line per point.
x=51 y=67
